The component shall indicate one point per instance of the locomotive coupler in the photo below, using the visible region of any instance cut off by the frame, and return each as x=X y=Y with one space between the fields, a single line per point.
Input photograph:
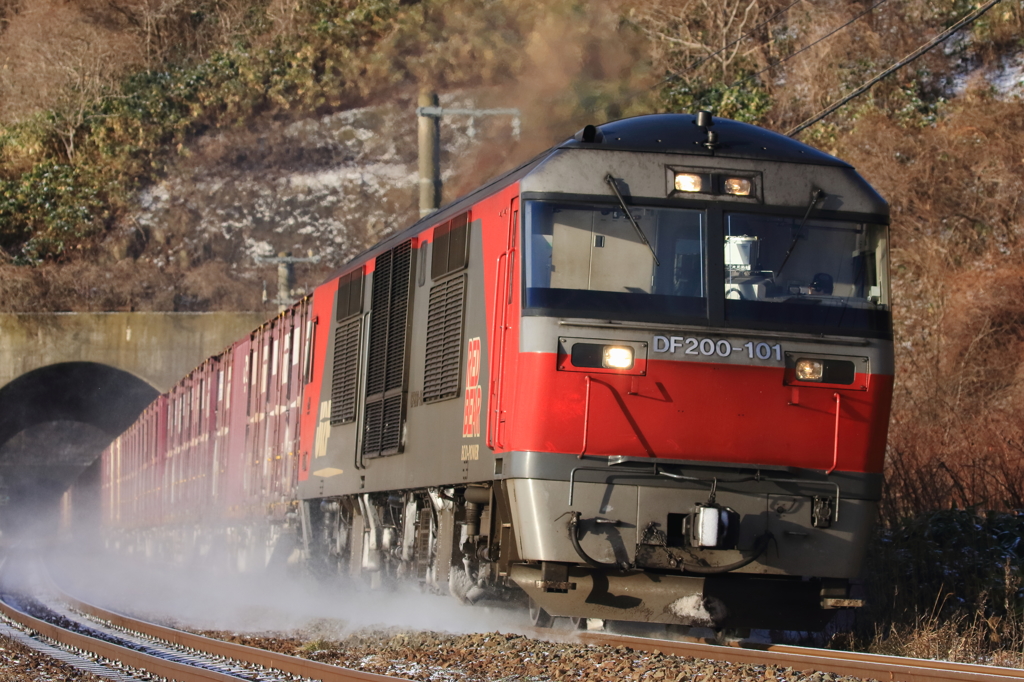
x=712 y=526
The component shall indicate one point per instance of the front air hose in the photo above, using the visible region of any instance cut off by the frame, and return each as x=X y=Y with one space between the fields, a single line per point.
x=574 y=529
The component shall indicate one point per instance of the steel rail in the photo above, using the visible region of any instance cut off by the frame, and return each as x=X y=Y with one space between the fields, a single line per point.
x=180 y=671
x=215 y=647
x=805 y=659
x=135 y=659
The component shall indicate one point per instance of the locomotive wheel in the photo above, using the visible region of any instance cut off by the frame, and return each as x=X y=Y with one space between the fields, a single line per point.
x=539 y=617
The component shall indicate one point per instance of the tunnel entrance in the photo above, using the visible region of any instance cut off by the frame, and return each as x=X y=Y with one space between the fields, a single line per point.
x=54 y=423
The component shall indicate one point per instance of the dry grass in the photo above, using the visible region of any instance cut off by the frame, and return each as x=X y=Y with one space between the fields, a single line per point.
x=55 y=57
x=978 y=639
x=945 y=585
x=131 y=285
x=958 y=274
x=953 y=172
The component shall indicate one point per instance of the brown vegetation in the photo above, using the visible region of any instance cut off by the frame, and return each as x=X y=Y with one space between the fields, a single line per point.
x=958 y=270
x=234 y=69
x=102 y=98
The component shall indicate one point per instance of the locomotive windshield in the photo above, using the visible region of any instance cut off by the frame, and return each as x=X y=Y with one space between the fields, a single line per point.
x=780 y=271
x=590 y=260
x=818 y=273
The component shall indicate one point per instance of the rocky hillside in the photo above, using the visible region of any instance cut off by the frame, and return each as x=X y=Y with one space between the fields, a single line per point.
x=151 y=150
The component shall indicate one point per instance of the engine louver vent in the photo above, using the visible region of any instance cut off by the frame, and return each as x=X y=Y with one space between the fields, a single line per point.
x=373 y=419
x=387 y=361
x=378 y=355
x=345 y=372
x=391 y=429
x=398 y=316
x=443 y=361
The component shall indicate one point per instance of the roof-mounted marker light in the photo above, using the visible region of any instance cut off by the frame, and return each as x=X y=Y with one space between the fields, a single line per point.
x=688 y=182
x=739 y=187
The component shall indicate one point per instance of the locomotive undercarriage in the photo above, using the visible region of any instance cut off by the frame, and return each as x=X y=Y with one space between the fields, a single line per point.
x=444 y=539
x=624 y=546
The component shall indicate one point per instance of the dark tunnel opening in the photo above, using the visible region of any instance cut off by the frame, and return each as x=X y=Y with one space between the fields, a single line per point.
x=54 y=423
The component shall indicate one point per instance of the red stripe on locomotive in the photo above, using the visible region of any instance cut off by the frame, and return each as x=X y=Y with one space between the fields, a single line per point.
x=700 y=411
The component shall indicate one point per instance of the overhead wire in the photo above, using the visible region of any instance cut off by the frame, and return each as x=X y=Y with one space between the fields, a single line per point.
x=803 y=49
x=674 y=75
x=966 y=21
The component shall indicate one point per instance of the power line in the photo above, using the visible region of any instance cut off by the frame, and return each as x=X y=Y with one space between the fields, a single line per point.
x=809 y=46
x=971 y=18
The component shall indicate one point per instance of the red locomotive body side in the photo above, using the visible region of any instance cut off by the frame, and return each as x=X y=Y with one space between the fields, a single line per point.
x=318 y=326
x=499 y=214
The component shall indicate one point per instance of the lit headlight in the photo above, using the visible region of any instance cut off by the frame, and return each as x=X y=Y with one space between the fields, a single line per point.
x=617 y=357
x=809 y=370
x=738 y=186
x=688 y=182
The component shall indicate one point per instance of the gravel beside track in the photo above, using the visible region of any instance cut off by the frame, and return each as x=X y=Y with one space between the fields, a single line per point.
x=505 y=657
x=18 y=663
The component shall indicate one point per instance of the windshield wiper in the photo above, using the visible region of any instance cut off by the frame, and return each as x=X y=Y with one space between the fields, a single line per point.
x=611 y=183
x=816 y=196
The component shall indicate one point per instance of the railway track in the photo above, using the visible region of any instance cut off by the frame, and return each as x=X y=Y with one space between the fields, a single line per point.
x=805 y=659
x=116 y=647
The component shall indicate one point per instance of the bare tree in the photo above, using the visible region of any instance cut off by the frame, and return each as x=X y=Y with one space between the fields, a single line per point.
x=685 y=32
x=54 y=59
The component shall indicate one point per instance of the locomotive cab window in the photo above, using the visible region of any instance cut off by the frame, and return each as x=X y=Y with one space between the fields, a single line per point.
x=583 y=259
x=781 y=270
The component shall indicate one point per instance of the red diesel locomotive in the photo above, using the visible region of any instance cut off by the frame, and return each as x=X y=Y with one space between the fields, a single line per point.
x=646 y=376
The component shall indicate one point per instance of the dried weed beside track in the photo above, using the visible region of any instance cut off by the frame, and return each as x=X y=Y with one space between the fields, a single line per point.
x=945 y=585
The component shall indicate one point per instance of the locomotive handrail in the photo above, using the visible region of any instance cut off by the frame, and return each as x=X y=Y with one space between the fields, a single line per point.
x=586 y=424
x=492 y=393
x=835 y=449
x=624 y=460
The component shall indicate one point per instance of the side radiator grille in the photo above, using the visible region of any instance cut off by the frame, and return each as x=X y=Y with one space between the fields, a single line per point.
x=391 y=429
x=387 y=361
x=372 y=422
x=378 y=348
x=346 y=372
x=444 y=340
x=398 y=316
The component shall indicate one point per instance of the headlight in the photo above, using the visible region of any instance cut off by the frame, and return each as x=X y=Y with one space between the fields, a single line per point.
x=617 y=357
x=688 y=182
x=738 y=186
x=809 y=370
